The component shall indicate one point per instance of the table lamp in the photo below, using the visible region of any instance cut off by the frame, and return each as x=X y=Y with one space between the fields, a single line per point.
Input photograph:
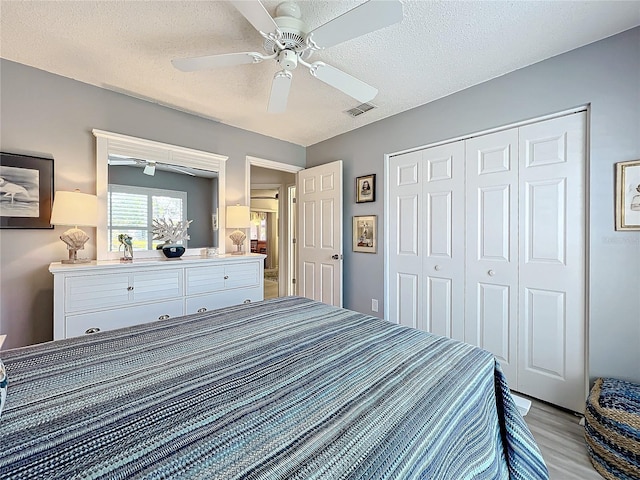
x=74 y=208
x=238 y=217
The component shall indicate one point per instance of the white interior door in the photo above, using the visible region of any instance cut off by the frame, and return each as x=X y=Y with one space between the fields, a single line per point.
x=319 y=199
x=491 y=320
x=552 y=261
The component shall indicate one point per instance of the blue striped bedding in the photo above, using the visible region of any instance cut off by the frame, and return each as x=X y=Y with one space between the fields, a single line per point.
x=282 y=389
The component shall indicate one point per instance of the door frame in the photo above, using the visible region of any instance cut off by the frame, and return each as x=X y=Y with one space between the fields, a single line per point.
x=284 y=279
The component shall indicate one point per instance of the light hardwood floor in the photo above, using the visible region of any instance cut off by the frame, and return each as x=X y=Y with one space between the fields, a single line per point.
x=270 y=289
x=561 y=440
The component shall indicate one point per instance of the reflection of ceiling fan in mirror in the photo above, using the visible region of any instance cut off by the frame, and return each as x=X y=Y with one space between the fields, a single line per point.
x=287 y=40
x=149 y=165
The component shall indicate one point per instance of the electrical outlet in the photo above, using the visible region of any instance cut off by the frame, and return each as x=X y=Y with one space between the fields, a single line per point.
x=374 y=305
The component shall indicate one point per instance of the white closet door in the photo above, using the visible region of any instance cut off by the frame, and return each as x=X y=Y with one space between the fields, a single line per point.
x=443 y=239
x=405 y=250
x=492 y=247
x=552 y=261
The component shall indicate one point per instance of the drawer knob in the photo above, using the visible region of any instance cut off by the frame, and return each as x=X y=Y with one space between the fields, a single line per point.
x=226 y=277
x=163 y=317
x=202 y=310
x=248 y=300
x=129 y=288
x=92 y=330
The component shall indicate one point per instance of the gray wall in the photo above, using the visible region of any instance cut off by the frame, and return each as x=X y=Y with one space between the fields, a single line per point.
x=604 y=75
x=200 y=194
x=51 y=116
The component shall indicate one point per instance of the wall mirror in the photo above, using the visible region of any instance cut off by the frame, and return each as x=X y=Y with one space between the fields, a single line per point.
x=147 y=179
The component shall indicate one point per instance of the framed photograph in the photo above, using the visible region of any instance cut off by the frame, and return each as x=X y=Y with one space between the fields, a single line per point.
x=366 y=189
x=26 y=191
x=628 y=195
x=365 y=235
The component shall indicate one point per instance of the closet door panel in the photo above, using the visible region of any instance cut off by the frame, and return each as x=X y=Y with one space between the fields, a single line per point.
x=405 y=240
x=492 y=246
x=552 y=264
x=443 y=239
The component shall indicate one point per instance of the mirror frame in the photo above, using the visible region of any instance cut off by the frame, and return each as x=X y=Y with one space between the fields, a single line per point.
x=108 y=143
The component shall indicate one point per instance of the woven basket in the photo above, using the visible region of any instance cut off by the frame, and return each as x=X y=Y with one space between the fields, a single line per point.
x=612 y=428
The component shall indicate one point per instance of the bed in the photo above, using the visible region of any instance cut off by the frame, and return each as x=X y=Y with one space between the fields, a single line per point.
x=286 y=388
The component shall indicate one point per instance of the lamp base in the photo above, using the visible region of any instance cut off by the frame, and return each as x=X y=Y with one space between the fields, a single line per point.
x=73 y=257
x=237 y=238
x=75 y=260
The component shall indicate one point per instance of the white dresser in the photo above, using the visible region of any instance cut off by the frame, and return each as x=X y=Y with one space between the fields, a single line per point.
x=103 y=295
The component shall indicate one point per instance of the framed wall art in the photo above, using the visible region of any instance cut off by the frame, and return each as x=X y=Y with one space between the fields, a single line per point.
x=628 y=195
x=365 y=235
x=26 y=191
x=366 y=189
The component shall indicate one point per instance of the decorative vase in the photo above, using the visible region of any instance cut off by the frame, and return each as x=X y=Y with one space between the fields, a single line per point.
x=172 y=250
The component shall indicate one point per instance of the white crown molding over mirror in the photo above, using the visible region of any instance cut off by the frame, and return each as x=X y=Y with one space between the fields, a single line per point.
x=108 y=143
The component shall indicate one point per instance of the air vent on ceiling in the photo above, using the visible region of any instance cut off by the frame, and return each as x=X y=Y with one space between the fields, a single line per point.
x=360 y=109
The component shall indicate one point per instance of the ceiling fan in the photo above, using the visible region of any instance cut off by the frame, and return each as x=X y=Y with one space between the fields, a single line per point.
x=149 y=165
x=288 y=41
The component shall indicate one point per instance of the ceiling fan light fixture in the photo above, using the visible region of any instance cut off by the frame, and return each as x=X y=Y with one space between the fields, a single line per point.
x=288 y=59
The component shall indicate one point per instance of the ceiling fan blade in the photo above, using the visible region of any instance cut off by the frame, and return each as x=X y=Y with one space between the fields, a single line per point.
x=279 y=91
x=214 y=61
x=343 y=81
x=254 y=11
x=368 y=17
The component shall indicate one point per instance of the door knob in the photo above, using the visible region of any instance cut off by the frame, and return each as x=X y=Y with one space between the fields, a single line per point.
x=336 y=256
x=437 y=268
x=491 y=273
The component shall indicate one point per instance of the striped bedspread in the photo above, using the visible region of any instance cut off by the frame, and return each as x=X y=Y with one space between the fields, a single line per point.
x=282 y=389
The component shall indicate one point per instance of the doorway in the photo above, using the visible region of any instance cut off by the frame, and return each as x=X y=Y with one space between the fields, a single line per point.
x=273 y=222
x=264 y=234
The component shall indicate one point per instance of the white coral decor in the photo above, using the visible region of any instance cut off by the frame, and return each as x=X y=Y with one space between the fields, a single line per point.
x=169 y=232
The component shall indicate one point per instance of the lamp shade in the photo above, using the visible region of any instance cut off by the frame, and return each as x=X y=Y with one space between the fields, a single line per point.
x=74 y=208
x=238 y=216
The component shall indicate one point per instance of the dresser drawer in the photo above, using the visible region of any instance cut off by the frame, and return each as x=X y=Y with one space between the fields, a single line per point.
x=77 y=325
x=93 y=292
x=243 y=275
x=222 y=277
x=157 y=285
x=213 y=301
x=205 y=279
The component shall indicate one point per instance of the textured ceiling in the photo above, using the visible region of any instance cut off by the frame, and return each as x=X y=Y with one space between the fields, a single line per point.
x=439 y=48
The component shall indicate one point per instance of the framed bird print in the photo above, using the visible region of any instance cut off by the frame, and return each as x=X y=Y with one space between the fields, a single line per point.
x=26 y=191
